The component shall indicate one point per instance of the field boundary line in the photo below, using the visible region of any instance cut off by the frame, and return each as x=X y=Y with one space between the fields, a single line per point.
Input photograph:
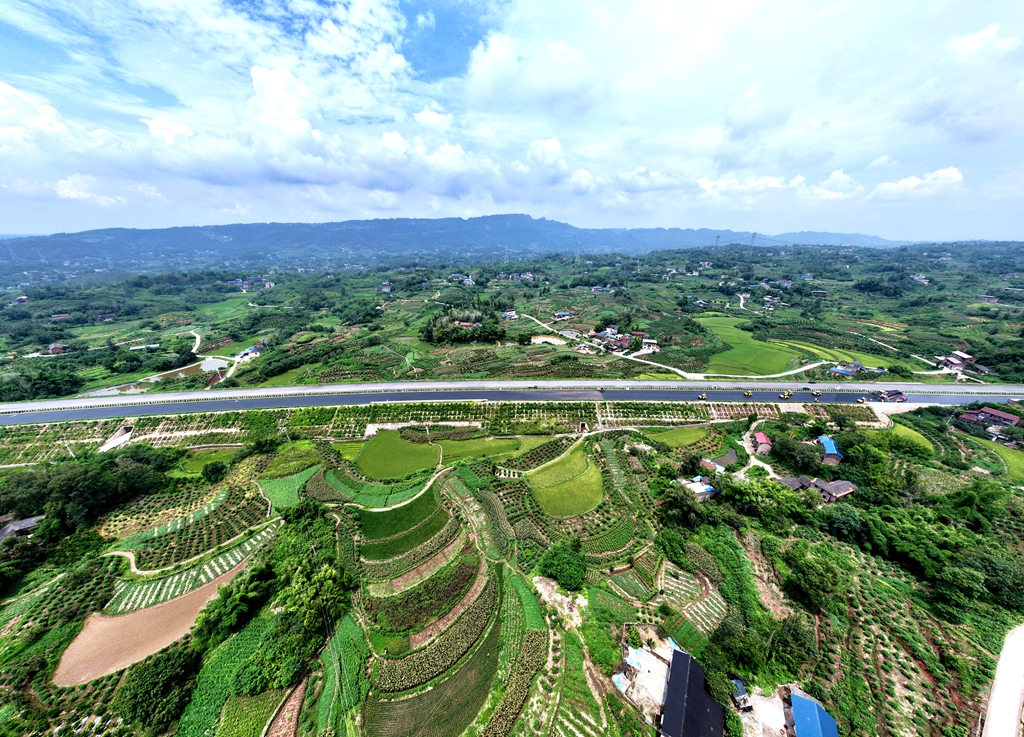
x=130 y=554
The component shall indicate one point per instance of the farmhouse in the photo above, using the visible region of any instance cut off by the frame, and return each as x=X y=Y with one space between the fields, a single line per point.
x=989 y=416
x=832 y=455
x=957 y=360
x=17 y=528
x=762 y=444
x=562 y=316
x=806 y=717
x=650 y=344
x=689 y=708
x=19 y=301
x=56 y=348
x=830 y=491
x=819 y=293
x=989 y=299
x=509 y=315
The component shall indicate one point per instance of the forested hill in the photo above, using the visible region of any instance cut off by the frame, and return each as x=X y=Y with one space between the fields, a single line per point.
x=363 y=241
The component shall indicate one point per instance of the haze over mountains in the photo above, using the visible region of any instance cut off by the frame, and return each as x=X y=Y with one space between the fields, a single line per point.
x=359 y=241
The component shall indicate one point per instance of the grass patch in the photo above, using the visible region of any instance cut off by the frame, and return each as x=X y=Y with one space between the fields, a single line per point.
x=246 y=716
x=292 y=458
x=406 y=542
x=285 y=492
x=199 y=458
x=746 y=357
x=387 y=456
x=911 y=434
x=290 y=377
x=349 y=450
x=455 y=450
x=573 y=496
x=1014 y=459
x=346 y=652
x=377 y=525
x=681 y=436
x=571 y=464
x=531 y=609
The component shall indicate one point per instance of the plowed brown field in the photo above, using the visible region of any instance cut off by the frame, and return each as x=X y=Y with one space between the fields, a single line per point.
x=107 y=644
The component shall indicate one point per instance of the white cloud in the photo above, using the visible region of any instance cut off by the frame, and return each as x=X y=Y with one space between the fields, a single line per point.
x=426 y=20
x=885 y=161
x=718 y=187
x=642 y=179
x=430 y=119
x=985 y=40
x=941 y=182
x=166 y=130
x=79 y=187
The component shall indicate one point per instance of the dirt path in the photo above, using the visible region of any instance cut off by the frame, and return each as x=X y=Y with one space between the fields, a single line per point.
x=107 y=644
x=1007 y=696
x=286 y=721
x=424 y=570
x=432 y=630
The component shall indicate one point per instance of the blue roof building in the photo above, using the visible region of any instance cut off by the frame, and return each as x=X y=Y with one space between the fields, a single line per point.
x=807 y=718
x=832 y=455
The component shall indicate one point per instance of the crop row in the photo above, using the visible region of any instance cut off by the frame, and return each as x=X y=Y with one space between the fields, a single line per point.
x=504 y=535
x=631 y=584
x=428 y=600
x=217 y=677
x=517 y=686
x=646 y=567
x=398 y=565
x=238 y=513
x=539 y=455
x=144 y=513
x=443 y=653
x=368 y=494
x=131 y=596
x=345 y=681
x=617 y=538
x=531 y=608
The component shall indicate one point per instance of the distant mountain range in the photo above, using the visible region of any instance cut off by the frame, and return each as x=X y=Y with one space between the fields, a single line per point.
x=366 y=242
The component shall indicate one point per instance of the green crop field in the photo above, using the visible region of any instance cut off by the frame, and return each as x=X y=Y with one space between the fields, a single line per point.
x=571 y=464
x=349 y=450
x=377 y=525
x=292 y=458
x=246 y=716
x=455 y=450
x=388 y=456
x=445 y=710
x=681 y=436
x=199 y=458
x=407 y=541
x=568 y=487
x=1014 y=459
x=285 y=492
x=747 y=357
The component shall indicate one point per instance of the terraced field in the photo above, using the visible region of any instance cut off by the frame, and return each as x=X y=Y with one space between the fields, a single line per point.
x=129 y=597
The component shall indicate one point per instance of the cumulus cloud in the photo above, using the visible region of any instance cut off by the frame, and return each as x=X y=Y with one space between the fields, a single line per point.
x=430 y=119
x=751 y=185
x=984 y=41
x=937 y=183
x=550 y=76
x=166 y=130
x=80 y=187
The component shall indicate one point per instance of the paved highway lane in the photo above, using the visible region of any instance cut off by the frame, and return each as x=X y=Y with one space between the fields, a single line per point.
x=222 y=401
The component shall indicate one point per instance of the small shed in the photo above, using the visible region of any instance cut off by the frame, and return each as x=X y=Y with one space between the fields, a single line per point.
x=832 y=455
x=762 y=444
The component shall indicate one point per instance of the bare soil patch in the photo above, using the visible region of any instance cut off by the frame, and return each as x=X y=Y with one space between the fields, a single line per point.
x=432 y=630
x=287 y=719
x=107 y=644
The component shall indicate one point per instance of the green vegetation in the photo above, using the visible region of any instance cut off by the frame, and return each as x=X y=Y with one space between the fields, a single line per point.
x=406 y=541
x=284 y=492
x=292 y=458
x=681 y=437
x=746 y=356
x=378 y=525
x=345 y=681
x=246 y=716
x=197 y=459
x=1014 y=459
x=456 y=450
x=570 y=486
x=387 y=456
x=349 y=450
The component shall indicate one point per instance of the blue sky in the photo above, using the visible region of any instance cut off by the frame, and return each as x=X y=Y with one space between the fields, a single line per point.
x=897 y=119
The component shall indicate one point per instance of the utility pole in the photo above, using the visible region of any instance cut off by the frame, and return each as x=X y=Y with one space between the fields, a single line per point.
x=754 y=236
x=577 y=257
x=717 y=238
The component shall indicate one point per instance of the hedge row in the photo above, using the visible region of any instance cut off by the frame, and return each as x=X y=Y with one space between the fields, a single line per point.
x=394 y=567
x=517 y=687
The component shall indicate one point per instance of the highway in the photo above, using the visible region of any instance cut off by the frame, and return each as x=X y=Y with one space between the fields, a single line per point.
x=133 y=405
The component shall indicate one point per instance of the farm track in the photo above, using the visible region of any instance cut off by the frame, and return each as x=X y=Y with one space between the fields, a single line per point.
x=285 y=721
x=108 y=644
